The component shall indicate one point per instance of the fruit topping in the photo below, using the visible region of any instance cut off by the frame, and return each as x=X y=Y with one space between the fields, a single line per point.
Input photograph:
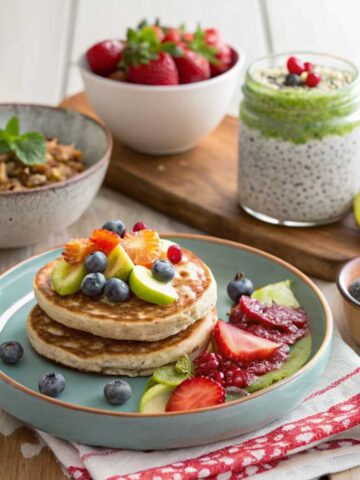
x=155 y=399
x=93 y=284
x=66 y=278
x=239 y=286
x=143 y=247
x=119 y=264
x=312 y=80
x=146 y=287
x=117 y=392
x=103 y=57
x=308 y=67
x=279 y=293
x=292 y=80
x=116 y=226
x=194 y=393
x=76 y=250
x=163 y=271
x=139 y=226
x=116 y=290
x=274 y=316
x=96 y=262
x=104 y=240
x=52 y=384
x=239 y=345
x=294 y=65
x=174 y=254
x=354 y=289
x=11 y=352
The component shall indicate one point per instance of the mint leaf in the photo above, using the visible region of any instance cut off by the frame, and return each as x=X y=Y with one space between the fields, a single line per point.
x=30 y=148
x=4 y=146
x=184 y=366
x=12 y=127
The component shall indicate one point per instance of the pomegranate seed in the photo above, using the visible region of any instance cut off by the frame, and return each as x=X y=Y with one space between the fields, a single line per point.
x=294 y=65
x=174 y=254
x=139 y=226
x=312 y=80
x=308 y=67
x=218 y=377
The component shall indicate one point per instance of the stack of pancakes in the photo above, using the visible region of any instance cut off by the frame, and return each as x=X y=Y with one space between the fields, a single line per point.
x=131 y=338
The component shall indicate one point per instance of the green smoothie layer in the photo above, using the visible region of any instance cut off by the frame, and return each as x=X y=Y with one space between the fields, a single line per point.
x=298 y=113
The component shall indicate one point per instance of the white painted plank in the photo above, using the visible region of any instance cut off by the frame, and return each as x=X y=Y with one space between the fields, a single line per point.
x=33 y=46
x=239 y=20
x=330 y=26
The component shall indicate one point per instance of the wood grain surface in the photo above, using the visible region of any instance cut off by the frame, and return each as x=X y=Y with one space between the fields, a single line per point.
x=199 y=188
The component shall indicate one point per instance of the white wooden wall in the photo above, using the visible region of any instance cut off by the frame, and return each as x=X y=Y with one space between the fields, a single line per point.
x=41 y=40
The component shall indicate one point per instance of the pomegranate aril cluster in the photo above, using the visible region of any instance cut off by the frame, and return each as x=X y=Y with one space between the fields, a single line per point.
x=301 y=74
x=225 y=372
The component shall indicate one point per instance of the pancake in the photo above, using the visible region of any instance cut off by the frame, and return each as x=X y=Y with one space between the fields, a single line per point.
x=89 y=353
x=133 y=319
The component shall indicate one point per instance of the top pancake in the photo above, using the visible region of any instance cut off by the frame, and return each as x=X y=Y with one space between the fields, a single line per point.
x=133 y=319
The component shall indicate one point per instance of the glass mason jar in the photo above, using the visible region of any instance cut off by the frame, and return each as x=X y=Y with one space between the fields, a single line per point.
x=299 y=148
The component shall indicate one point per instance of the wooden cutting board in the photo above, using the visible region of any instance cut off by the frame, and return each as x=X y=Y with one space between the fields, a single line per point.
x=199 y=188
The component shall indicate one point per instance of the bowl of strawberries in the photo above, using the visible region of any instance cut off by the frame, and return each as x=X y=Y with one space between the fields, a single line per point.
x=162 y=90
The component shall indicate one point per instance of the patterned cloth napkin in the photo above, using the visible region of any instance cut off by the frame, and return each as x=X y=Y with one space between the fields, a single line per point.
x=321 y=436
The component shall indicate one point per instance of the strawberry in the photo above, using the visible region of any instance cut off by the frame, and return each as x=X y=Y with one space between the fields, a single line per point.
x=224 y=60
x=194 y=393
x=239 y=345
x=76 y=250
x=172 y=35
x=143 y=246
x=212 y=36
x=148 y=61
x=159 y=32
x=192 y=67
x=103 y=57
x=161 y=71
x=105 y=240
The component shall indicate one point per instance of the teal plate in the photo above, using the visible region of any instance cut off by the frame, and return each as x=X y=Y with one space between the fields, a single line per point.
x=83 y=415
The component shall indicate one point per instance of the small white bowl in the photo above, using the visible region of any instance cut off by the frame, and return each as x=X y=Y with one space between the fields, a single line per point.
x=162 y=120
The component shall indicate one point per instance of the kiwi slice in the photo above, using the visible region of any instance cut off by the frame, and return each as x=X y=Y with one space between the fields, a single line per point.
x=66 y=278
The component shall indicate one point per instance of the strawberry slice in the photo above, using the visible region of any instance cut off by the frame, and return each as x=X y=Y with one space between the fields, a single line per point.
x=236 y=344
x=77 y=249
x=105 y=240
x=196 y=392
x=143 y=247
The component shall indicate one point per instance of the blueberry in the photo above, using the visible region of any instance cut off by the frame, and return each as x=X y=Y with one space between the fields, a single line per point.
x=354 y=289
x=116 y=226
x=116 y=290
x=163 y=270
x=52 y=384
x=95 y=262
x=292 y=80
x=93 y=284
x=239 y=286
x=11 y=352
x=117 y=392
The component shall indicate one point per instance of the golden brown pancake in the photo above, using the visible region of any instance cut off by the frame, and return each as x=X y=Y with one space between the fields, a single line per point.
x=86 y=352
x=133 y=319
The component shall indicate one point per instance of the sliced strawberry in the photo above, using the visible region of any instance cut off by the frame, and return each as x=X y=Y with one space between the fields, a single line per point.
x=143 y=247
x=77 y=249
x=236 y=344
x=194 y=393
x=105 y=240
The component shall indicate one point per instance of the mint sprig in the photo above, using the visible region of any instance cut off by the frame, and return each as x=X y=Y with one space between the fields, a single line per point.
x=29 y=148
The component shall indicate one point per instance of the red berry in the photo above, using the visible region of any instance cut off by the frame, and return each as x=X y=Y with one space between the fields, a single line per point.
x=224 y=58
x=192 y=67
x=139 y=226
x=104 y=57
x=235 y=377
x=295 y=66
x=158 y=31
x=312 y=80
x=174 y=254
x=218 y=377
x=308 y=67
x=196 y=392
x=212 y=36
x=161 y=71
x=172 y=35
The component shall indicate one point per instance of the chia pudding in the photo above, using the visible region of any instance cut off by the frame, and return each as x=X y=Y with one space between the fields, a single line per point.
x=300 y=139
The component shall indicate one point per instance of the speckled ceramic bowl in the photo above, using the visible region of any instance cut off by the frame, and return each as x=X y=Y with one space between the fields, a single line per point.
x=29 y=216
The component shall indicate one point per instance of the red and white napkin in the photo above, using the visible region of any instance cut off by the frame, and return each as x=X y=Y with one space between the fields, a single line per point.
x=321 y=436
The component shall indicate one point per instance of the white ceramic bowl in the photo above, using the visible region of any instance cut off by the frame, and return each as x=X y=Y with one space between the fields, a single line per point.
x=31 y=215
x=161 y=119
